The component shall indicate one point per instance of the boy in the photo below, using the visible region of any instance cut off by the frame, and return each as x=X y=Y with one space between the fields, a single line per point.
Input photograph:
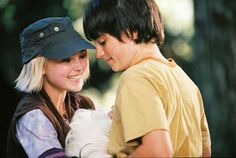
x=158 y=110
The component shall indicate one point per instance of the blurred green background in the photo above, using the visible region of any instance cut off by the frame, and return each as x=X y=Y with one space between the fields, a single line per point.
x=200 y=36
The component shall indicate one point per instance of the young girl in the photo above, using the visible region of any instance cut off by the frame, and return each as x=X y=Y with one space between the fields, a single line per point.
x=55 y=68
x=159 y=110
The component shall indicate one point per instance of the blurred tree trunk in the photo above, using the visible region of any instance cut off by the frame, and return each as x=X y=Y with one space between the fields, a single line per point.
x=215 y=69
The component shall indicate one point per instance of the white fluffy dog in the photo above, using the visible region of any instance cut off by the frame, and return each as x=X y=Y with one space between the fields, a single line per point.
x=89 y=133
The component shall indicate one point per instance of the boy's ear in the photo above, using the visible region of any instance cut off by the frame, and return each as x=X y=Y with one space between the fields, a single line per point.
x=135 y=35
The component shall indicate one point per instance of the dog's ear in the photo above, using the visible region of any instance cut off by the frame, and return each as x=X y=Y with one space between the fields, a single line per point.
x=85 y=102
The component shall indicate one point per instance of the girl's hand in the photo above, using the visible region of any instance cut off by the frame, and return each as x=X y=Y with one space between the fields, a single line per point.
x=110 y=113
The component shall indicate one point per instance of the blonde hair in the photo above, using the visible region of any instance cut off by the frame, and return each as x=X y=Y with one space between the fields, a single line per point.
x=86 y=73
x=31 y=76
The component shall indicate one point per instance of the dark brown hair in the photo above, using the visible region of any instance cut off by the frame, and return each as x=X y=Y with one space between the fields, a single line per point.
x=124 y=16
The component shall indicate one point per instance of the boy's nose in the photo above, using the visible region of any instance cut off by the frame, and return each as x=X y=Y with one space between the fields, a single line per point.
x=99 y=52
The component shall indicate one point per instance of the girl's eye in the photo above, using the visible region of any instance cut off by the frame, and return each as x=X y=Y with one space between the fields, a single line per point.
x=83 y=54
x=66 y=60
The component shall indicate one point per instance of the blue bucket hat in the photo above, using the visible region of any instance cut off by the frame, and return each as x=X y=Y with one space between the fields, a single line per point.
x=53 y=38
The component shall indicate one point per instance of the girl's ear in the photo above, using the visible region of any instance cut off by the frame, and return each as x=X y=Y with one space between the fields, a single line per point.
x=44 y=67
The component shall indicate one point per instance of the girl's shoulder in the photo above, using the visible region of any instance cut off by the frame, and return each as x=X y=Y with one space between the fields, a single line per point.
x=34 y=129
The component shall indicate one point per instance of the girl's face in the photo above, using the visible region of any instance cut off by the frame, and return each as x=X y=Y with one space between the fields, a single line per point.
x=116 y=53
x=67 y=74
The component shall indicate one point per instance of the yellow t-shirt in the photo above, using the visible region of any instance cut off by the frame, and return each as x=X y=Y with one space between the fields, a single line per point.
x=154 y=95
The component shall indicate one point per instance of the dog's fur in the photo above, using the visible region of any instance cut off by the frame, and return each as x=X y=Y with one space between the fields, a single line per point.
x=89 y=133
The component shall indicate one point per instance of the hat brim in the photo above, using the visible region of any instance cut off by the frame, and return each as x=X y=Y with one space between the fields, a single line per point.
x=67 y=48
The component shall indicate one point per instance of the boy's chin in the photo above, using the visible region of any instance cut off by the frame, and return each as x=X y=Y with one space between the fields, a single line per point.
x=116 y=69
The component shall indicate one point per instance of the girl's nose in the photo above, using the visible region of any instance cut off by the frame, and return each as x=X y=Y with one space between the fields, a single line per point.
x=78 y=64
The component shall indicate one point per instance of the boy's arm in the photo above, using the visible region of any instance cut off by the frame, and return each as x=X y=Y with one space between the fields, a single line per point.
x=154 y=144
x=206 y=147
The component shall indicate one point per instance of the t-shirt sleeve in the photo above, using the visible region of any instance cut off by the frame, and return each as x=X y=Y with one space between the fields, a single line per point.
x=140 y=107
x=37 y=135
x=204 y=126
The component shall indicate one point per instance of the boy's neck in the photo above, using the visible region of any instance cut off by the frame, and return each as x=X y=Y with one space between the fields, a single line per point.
x=146 y=50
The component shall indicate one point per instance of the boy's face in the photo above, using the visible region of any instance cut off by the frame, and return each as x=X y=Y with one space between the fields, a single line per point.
x=117 y=54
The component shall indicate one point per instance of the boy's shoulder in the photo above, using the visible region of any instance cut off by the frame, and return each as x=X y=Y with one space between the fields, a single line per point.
x=147 y=67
